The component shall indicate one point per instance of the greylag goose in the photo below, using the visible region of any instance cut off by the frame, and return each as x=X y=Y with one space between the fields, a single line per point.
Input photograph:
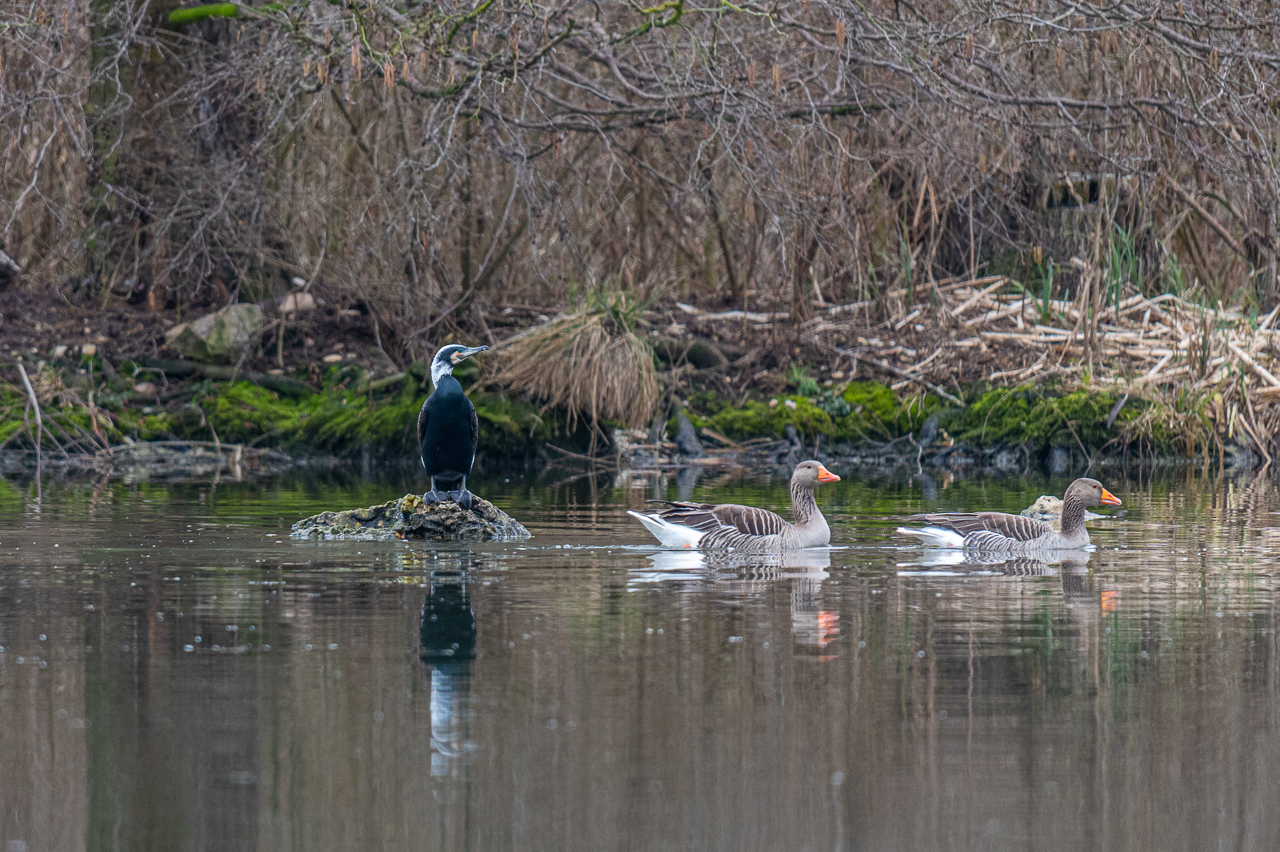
x=746 y=528
x=996 y=532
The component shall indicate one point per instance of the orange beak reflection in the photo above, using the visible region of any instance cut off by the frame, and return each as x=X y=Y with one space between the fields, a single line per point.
x=1109 y=499
x=825 y=475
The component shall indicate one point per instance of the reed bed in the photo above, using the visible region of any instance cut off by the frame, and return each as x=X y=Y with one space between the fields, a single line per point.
x=1213 y=370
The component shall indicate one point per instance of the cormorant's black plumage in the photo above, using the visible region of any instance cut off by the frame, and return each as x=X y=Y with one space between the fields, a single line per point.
x=448 y=428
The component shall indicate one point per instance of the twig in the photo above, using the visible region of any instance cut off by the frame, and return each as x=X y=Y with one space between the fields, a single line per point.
x=35 y=404
x=999 y=279
x=905 y=375
x=1257 y=368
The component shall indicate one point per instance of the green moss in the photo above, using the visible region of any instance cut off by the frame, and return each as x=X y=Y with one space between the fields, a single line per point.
x=512 y=426
x=1042 y=420
x=144 y=427
x=341 y=421
x=876 y=412
x=242 y=411
x=758 y=419
x=8 y=427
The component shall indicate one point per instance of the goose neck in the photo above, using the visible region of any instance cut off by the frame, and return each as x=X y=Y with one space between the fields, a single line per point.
x=803 y=506
x=1072 y=515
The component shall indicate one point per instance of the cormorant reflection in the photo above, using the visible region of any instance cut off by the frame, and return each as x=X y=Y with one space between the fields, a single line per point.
x=448 y=637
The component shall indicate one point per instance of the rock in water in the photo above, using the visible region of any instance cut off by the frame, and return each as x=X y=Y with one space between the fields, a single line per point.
x=687 y=436
x=411 y=518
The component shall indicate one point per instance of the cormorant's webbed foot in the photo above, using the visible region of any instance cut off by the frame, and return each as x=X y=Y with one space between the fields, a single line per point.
x=434 y=496
x=462 y=498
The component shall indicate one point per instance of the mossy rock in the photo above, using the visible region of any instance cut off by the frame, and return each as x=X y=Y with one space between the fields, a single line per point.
x=412 y=518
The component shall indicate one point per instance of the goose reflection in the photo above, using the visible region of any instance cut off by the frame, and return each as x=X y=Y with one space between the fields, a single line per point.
x=1072 y=566
x=448 y=638
x=812 y=627
x=1050 y=563
x=811 y=562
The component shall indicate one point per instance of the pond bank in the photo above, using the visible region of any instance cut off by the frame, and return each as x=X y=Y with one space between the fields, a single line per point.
x=152 y=418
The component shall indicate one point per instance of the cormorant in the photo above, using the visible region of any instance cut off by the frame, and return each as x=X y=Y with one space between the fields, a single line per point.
x=447 y=427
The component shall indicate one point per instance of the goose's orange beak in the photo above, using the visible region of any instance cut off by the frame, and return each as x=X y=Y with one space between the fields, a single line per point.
x=825 y=475
x=1109 y=499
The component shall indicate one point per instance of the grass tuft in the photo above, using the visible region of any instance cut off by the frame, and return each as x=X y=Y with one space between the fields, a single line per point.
x=589 y=362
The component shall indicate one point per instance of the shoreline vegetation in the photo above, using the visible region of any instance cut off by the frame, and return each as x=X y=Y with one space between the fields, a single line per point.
x=1154 y=379
x=941 y=233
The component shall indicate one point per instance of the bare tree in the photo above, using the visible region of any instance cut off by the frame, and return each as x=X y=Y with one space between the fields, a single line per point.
x=433 y=161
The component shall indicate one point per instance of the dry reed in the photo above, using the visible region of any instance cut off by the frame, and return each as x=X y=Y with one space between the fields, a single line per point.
x=587 y=362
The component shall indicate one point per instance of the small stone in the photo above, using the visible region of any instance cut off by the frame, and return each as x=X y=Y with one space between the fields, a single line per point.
x=145 y=389
x=791 y=403
x=773 y=403
x=332 y=358
x=88 y=350
x=59 y=351
x=275 y=371
x=297 y=303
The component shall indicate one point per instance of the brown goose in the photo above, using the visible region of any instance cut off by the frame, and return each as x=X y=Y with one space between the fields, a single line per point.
x=746 y=528
x=996 y=532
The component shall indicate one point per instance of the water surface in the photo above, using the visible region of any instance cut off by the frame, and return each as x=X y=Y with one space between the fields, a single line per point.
x=177 y=674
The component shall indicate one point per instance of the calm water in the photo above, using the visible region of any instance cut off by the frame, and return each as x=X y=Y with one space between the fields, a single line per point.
x=176 y=674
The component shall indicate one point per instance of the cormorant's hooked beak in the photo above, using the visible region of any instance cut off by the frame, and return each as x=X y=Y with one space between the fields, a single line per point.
x=1109 y=499
x=825 y=475
x=463 y=354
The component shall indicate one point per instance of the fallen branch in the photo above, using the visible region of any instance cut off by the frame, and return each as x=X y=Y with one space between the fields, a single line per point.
x=280 y=384
x=35 y=404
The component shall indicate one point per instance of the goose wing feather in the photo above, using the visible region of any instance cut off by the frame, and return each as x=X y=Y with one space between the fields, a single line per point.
x=990 y=527
x=709 y=517
x=750 y=519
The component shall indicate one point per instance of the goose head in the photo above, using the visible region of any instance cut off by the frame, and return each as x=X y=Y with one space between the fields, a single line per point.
x=1091 y=493
x=810 y=474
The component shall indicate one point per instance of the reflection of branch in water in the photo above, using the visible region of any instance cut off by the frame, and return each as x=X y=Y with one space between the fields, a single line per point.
x=561 y=482
x=448 y=639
